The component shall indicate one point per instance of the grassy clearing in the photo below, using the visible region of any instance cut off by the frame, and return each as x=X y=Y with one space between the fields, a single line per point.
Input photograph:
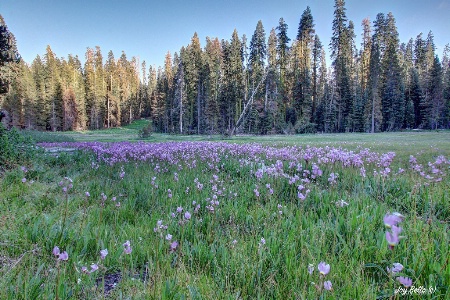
x=256 y=241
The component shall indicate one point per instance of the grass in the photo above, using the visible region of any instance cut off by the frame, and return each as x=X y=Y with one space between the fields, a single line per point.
x=220 y=252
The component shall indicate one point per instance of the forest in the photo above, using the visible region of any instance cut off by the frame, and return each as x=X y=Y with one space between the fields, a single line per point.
x=268 y=84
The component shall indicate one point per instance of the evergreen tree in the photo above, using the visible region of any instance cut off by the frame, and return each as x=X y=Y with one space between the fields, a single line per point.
x=446 y=86
x=435 y=109
x=316 y=64
x=179 y=105
x=373 y=113
x=9 y=57
x=232 y=96
x=282 y=63
x=192 y=64
x=113 y=110
x=213 y=83
x=100 y=88
x=42 y=108
x=168 y=92
x=341 y=54
x=302 y=69
x=392 y=88
x=282 y=49
x=272 y=102
x=92 y=108
x=258 y=53
x=53 y=90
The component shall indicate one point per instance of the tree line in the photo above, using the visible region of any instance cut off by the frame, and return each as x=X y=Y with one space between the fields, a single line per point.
x=264 y=85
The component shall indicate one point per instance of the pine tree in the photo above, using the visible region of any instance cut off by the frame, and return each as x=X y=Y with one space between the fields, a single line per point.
x=168 y=92
x=192 y=64
x=341 y=54
x=42 y=108
x=373 y=113
x=18 y=96
x=213 y=82
x=435 y=109
x=302 y=69
x=113 y=110
x=9 y=57
x=100 y=88
x=151 y=90
x=258 y=53
x=272 y=102
x=446 y=86
x=53 y=90
x=232 y=96
x=282 y=63
x=92 y=108
x=392 y=88
x=411 y=85
x=282 y=49
x=316 y=63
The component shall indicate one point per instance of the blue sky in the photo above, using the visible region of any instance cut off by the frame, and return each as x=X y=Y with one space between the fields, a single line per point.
x=148 y=29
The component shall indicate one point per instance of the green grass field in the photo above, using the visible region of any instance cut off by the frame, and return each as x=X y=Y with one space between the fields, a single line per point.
x=251 y=220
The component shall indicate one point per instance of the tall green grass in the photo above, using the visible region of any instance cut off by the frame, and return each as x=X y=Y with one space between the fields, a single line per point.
x=221 y=254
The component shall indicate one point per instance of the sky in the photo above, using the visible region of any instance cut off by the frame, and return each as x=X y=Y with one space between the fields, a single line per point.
x=148 y=29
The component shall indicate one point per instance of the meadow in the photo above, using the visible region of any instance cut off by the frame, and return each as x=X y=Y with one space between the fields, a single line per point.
x=326 y=216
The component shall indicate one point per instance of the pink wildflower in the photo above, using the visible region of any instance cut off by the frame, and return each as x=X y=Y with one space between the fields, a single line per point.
x=323 y=268
x=103 y=253
x=405 y=281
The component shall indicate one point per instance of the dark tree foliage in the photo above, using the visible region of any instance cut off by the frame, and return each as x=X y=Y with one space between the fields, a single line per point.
x=238 y=85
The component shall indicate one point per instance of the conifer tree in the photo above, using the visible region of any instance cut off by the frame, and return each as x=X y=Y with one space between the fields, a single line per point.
x=317 y=52
x=272 y=102
x=341 y=49
x=9 y=57
x=92 y=108
x=373 y=104
x=53 y=90
x=213 y=83
x=282 y=50
x=392 y=88
x=435 y=109
x=113 y=110
x=302 y=69
x=232 y=96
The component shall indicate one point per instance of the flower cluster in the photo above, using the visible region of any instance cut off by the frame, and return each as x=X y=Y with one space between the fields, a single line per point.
x=66 y=184
x=324 y=269
x=127 y=247
x=61 y=255
x=391 y=221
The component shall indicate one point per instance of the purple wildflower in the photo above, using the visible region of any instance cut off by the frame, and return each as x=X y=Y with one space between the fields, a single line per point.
x=392 y=219
x=63 y=256
x=127 y=247
x=103 y=253
x=407 y=282
x=173 y=246
x=323 y=268
x=397 y=267
x=392 y=237
x=94 y=267
x=56 y=251
x=310 y=269
x=327 y=285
